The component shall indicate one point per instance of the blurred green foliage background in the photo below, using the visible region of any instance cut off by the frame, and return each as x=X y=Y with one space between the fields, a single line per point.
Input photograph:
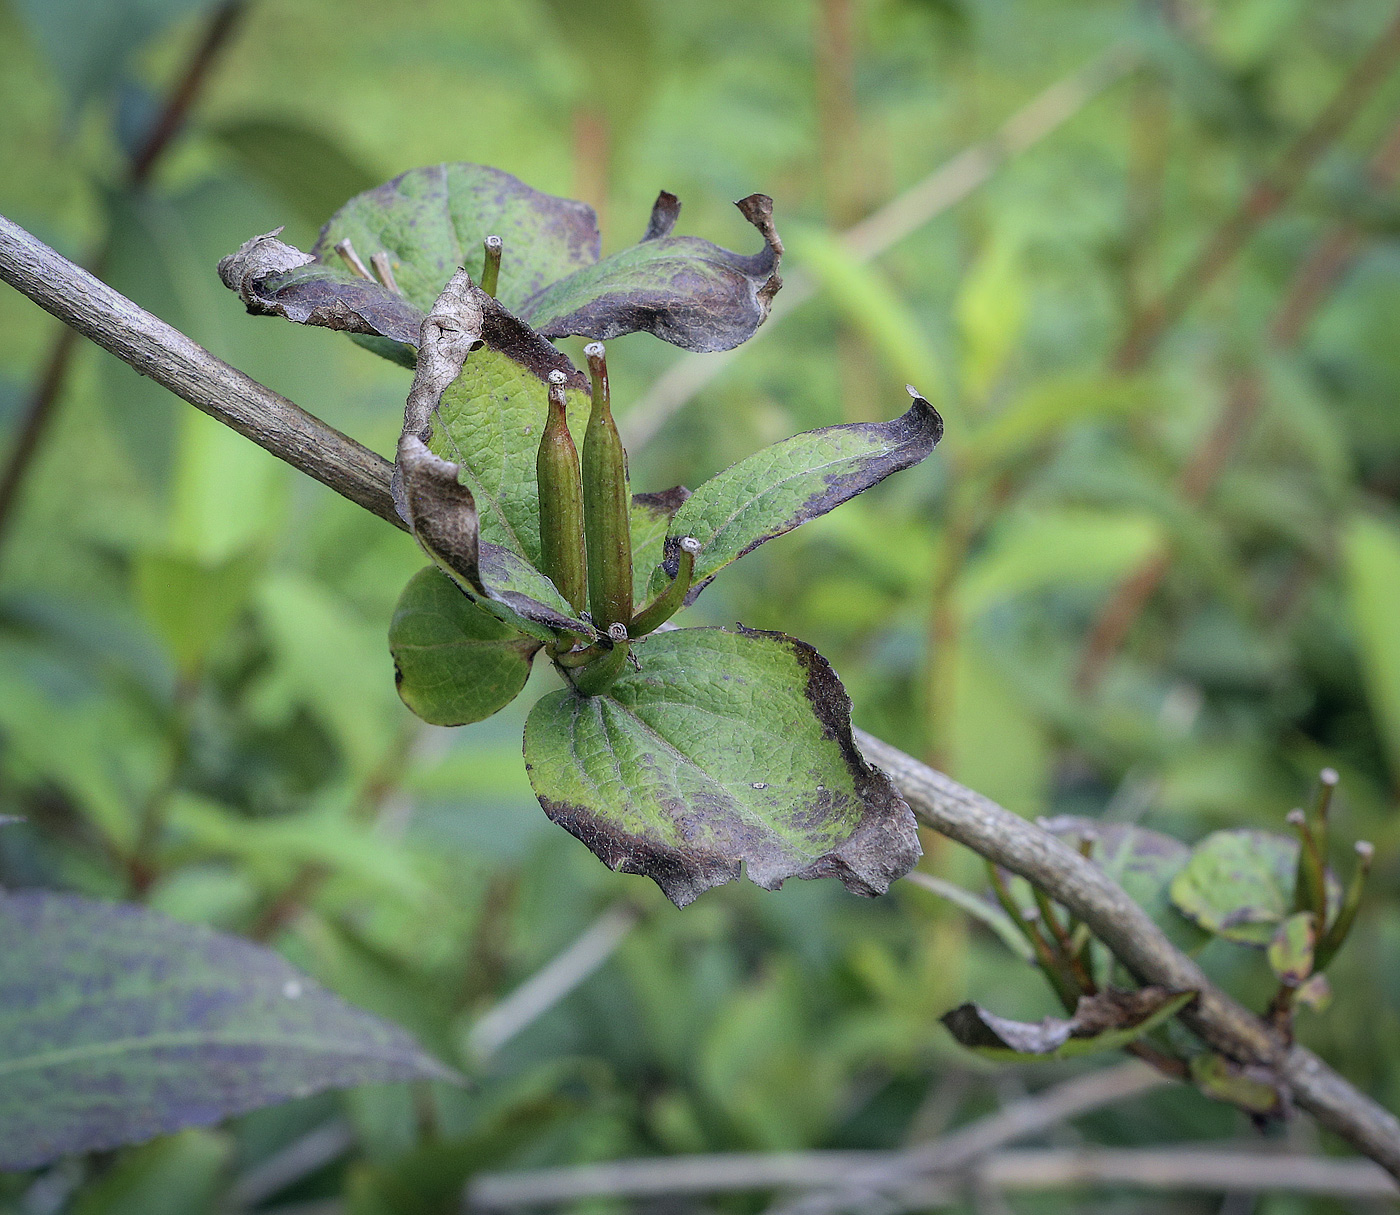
x=197 y=705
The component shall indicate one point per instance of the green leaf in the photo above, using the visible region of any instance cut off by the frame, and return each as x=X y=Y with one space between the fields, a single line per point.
x=651 y=517
x=432 y=220
x=306 y=167
x=178 y=1175
x=1250 y=1088
x=1143 y=863
x=1109 y=1020
x=454 y=662
x=117 y=1025
x=1290 y=952
x=1372 y=561
x=684 y=290
x=726 y=747
x=1239 y=885
x=192 y=603
x=773 y=491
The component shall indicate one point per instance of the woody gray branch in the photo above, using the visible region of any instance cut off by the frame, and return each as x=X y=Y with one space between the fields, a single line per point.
x=290 y=433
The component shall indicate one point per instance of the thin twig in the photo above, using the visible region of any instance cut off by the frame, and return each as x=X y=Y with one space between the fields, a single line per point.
x=946 y=186
x=550 y=984
x=993 y=832
x=167 y=124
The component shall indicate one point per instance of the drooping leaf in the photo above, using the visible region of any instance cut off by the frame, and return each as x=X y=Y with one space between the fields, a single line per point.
x=1290 y=953
x=1143 y=862
x=432 y=220
x=454 y=662
x=1109 y=1020
x=726 y=748
x=117 y=1025
x=684 y=290
x=1239 y=885
x=773 y=491
x=277 y=279
x=651 y=516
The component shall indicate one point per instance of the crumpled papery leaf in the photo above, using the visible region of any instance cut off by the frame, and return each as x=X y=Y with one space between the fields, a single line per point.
x=1107 y=1021
x=120 y=1024
x=727 y=748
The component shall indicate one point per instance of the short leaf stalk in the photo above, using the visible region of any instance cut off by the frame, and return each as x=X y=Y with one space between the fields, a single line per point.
x=491 y=266
x=599 y=675
x=606 y=505
x=561 y=502
x=670 y=600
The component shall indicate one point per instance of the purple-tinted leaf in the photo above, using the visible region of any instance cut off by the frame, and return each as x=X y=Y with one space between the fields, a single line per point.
x=118 y=1024
x=432 y=220
x=726 y=748
x=1109 y=1020
x=687 y=291
x=775 y=490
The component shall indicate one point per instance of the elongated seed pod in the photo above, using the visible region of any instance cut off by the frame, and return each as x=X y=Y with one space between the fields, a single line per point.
x=491 y=267
x=1336 y=935
x=606 y=505
x=668 y=601
x=561 y=502
x=598 y=676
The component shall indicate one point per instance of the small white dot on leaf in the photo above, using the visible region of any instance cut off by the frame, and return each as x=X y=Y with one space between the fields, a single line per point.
x=758 y=784
x=292 y=989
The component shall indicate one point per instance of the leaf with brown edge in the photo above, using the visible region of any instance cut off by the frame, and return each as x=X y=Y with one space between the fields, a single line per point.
x=1108 y=1020
x=783 y=486
x=725 y=748
x=685 y=290
x=276 y=279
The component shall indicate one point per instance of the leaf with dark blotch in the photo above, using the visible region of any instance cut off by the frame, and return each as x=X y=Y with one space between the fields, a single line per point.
x=684 y=290
x=1290 y=953
x=1109 y=1020
x=454 y=662
x=276 y=279
x=1142 y=861
x=727 y=748
x=650 y=517
x=516 y=584
x=775 y=490
x=431 y=220
x=118 y=1024
x=1239 y=885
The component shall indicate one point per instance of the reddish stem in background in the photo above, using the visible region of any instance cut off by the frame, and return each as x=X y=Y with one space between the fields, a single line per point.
x=166 y=126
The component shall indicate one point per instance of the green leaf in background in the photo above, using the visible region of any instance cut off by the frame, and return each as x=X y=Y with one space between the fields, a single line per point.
x=180 y=1174
x=91 y=42
x=650 y=518
x=117 y=1025
x=727 y=747
x=453 y=661
x=1109 y=1020
x=192 y=603
x=991 y=312
x=431 y=220
x=684 y=290
x=775 y=490
x=1239 y=885
x=1290 y=952
x=1371 y=549
x=306 y=167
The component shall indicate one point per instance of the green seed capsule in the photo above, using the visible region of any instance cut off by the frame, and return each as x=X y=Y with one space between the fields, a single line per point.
x=491 y=267
x=561 y=502
x=669 y=601
x=1336 y=935
x=607 y=504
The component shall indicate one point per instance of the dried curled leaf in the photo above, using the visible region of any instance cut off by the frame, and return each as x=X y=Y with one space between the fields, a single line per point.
x=1107 y=1021
x=276 y=279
